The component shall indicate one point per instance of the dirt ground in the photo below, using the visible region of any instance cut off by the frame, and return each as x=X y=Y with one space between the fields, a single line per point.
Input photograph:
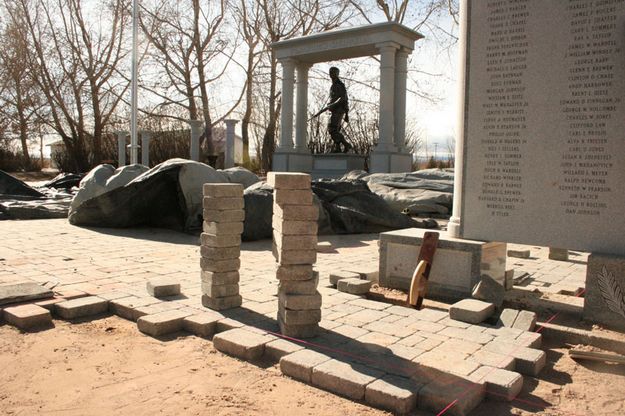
x=107 y=367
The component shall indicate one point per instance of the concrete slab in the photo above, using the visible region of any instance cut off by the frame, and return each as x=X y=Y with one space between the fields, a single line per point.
x=22 y=292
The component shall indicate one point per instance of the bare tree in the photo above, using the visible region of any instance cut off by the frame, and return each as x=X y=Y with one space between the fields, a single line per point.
x=193 y=51
x=75 y=56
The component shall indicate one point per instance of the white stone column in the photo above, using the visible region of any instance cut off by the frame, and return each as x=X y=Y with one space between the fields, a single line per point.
x=301 y=112
x=387 y=101
x=196 y=132
x=401 y=74
x=454 y=227
x=145 y=147
x=230 y=137
x=121 y=148
x=286 y=117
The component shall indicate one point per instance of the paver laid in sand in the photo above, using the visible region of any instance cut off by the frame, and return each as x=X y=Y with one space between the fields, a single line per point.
x=472 y=311
x=81 y=307
x=527 y=360
x=162 y=323
x=500 y=384
x=345 y=379
x=242 y=343
x=127 y=307
x=203 y=324
x=27 y=316
x=340 y=275
x=278 y=348
x=393 y=393
x=442 y=390
x=355 y=286
x=299 y=365
x=163 y=286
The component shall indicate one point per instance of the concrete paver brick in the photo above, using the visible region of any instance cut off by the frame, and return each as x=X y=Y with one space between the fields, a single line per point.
x=125 y=307
x=300 y=302
x=356 y=286
x=501 y=385
x=492 y=359
x=241 y=343
x=293 y=197
x=227 y=324
x=340 y=275
x=226 y=203
x=81 y=307
x=288 y=180
x=397 y=394
x=472 y=311
x=299 y=364
x=345 y=379
x=212 y=240
x=298 y=331
x=231 y=215
x=324 y=247
x=295 y=242
x=507 y=317
x=521 y=254
x=296 y=212
x=305 y=317
x=223 y=303
x=298 y=287
x=223 y=228
x=220 y=291
x=203 y=324
x=445 y=389
x=295 y=272
x=162 y=323
x=525 y=321
x=278 y=348
x=528 y=361
x=27 y=316
x=163 y=286
x=288 y=257
x=294 y=227
x=223 y=190
x=220 y=278
x=220 y=253
x=219 y=266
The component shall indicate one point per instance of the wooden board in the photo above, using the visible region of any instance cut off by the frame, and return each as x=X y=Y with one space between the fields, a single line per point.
x=418 y=285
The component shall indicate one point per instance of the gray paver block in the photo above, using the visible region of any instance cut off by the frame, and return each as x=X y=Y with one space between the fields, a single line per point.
x=560 y=254
x=220 y=253
x=203 y=324
x=529 y=361
x=278 y=348
x=461 y=394
x=81 y=307
x=163 y=286
x=223 y=228
x=393 y=393
x=227 y=324
x=336 y=276
x=220 y=304
x=241 y=343
x=223 y=278
x=288 y=180
x=472 y=311
x=126 y=307
x=49 y=303
x=304 y=317
x=507 y=317
x=225 y=203
x=355 y=286
x=212 y=240
x=27 y=316
x=212 y=265
x=300 y=302
x=521 y=254
x=295 y=272
x=298 y=287
x=345 y=379
x=502 y=385
x=295 y=242
x=162 y=323
x=529 y=340
x=287 y=257
x=223 y=190
x=220 y=291
x=525 y=321
x=298 y=331
x=493 y=359
x=296 y=212
x=293 y=227
x=231 y=215
x=293 y=197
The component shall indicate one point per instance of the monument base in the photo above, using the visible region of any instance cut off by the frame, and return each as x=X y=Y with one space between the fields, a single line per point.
x=335 y=165
x=605 y=285
x=390 y=162
x=456 y=269
x=292 y=162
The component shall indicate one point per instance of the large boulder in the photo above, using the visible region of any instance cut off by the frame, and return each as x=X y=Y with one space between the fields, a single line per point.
x=92 y=185
x=241 y=175
x=124 y=175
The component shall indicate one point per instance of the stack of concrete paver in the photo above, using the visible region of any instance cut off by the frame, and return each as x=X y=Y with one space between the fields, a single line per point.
x=221 y=245
x=294 y=247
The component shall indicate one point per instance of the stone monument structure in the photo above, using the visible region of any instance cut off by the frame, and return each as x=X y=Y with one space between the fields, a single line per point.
x=540 y=151
x=393 y=42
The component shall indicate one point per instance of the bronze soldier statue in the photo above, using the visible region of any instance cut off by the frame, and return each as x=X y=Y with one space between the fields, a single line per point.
x=339 y=109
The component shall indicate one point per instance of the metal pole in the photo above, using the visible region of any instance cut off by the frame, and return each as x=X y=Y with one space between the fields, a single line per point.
x=134 y=154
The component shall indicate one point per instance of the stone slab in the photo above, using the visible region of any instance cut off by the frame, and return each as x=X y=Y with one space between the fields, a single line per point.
x=501 y=385
x=299 y=365
x=288 y=180
x=223 y=190
x=203 y=324
x=296 y=272
x=81 y=307
x=212 y=240
x=22 y=292
x=220 y=253
x=397 y=394
x=472 y=311
x=278 y=348
x=162 y=323
x=223 y=228
x=220 y=266
x=604 y=300
x=355 y=286
x=163 y=286
x=220 y=278
x=241 y=343
x=231 y=215
x=222 y=204
x=345 y=379
x=220 y=304
x=293 y=227
x=220 y=291
x=27 y=316
x=292 y=197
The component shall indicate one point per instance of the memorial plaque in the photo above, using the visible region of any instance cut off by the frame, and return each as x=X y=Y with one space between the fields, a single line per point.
x=544 y=123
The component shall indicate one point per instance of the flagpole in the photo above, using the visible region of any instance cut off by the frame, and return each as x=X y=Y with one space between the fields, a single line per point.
x=134 y=153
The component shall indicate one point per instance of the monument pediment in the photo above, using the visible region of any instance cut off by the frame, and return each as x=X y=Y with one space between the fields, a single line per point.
x=347 y=43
